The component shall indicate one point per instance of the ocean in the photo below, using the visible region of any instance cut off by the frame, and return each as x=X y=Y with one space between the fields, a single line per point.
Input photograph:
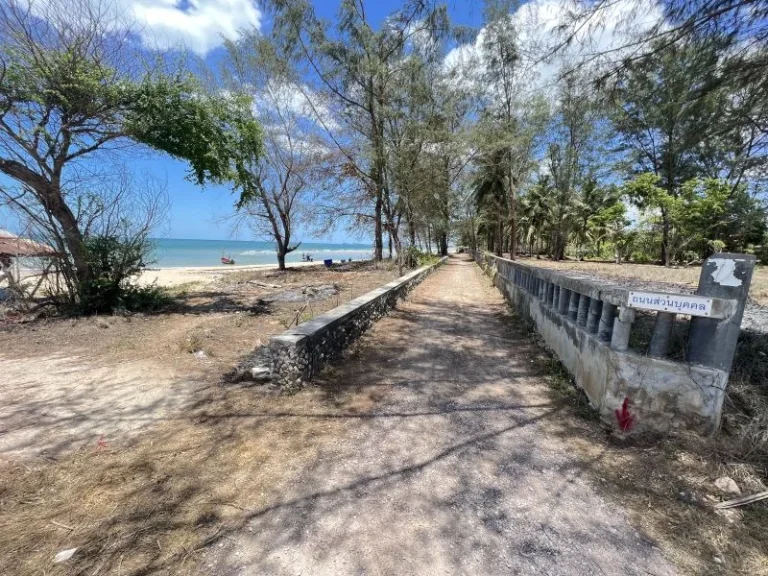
x=171 y=253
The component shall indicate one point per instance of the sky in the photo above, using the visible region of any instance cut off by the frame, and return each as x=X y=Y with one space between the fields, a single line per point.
x=202 y=213
x=202 y=25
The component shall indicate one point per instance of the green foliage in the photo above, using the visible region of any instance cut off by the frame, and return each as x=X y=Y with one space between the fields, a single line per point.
x=112 y=263
x=415 y=258
x=214 y=134
x=703 y=216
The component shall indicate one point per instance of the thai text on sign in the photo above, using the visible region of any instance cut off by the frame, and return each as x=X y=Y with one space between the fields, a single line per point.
x=674 y=303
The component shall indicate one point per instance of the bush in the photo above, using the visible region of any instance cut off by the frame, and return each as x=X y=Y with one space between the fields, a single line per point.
x=415 y=258
x=642 y=258
x=761 y=252
x=112 y=263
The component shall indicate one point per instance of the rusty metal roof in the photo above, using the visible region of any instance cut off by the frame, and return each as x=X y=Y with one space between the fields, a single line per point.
x=12 y=245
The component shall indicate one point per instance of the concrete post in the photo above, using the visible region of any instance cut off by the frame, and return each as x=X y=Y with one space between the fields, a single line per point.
x=622 y=327
x=581 y=318
x=562 y=305
x=605 y=328
x=550 y=294
x=662 y=335
x=573 y=306
x=542 y=290
x=593 y=318
x=556 y=297
x=712 y=342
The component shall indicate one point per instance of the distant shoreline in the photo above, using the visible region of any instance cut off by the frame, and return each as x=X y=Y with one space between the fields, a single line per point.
x=170 y=276
x=180 y=253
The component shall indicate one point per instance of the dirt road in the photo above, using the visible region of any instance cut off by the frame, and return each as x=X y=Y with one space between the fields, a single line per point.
x=463 y=464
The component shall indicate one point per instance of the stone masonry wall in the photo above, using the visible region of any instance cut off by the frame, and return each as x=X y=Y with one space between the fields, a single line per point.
x=300 y=352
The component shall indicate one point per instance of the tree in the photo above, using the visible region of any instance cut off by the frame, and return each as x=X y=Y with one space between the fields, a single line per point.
x=490 y=196
x=357 y=67
x=68 y=92
x=280 y=178
x=610 y=223
x=500 y=59
x=573 y=140
x=676 y=126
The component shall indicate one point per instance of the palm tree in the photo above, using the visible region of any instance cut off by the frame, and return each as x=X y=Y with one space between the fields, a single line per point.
x=490 y=197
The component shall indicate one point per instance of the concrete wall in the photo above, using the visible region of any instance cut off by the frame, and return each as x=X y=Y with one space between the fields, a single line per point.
x=662 y=394
x=300 y=352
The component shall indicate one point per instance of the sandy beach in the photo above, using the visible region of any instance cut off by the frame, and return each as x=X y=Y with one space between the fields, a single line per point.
x=169 y=277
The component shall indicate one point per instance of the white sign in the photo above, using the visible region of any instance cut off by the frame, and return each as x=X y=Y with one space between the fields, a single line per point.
x=674 y=303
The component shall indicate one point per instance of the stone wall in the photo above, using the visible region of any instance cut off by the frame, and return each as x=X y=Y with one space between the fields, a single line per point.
x=587 y=324
x=301 y=352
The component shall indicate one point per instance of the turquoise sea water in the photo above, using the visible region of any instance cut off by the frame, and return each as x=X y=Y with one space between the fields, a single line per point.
x=171 y=253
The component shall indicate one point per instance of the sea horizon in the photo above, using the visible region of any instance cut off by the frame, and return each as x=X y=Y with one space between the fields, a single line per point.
x=189 y=252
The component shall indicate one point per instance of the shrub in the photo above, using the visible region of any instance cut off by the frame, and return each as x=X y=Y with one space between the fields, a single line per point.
x=639 y=257
x=112 y=263
x=415 y=258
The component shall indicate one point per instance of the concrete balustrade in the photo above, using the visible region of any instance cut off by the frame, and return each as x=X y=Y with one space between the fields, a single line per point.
x=588 y=324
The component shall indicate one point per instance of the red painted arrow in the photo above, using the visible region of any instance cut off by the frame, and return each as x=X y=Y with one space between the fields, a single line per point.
x=624 y=417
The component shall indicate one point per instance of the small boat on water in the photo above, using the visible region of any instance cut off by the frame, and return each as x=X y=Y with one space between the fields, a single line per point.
x=227 y=260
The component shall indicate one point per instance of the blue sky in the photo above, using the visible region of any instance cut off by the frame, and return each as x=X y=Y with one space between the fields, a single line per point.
x=201 y=212
x=201 y=25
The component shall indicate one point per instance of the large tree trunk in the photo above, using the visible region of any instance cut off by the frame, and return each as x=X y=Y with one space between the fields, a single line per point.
x=281 y=259
x=71 y=235
x=443 y=241
x=512 y=223
x=499 y=236
x=378 y=239
x=558 y=250
x=665 y=256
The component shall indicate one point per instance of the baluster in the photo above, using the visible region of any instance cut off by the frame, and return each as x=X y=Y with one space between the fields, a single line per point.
x=662 y=335
x=573 y=306
x=593 y=320
x=562 y=305
x=605 y=329
x=622 y=327
x=581 y=318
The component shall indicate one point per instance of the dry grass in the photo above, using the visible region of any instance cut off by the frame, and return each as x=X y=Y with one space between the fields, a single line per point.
x=151 y=507
x=682 y=275
x=153 y=503
x=666 y=485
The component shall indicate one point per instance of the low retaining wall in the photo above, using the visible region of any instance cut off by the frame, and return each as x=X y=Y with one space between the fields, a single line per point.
x=587 y=324
x=299 y=353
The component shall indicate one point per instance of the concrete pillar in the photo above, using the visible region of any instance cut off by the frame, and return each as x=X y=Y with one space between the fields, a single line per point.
x=712 y=342
x=581 y=318
x=605 y=327
x=593 y=317
x=565 y=297
x=542 y=290
x=662 y=335
x=622 y=327
x=556 y=297
x=573 y=306
x=550 y=294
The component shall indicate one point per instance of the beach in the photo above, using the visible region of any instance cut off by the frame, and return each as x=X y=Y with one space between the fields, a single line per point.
x=170 y=277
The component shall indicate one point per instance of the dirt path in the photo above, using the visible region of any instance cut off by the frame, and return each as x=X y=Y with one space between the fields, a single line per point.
x=464 y=464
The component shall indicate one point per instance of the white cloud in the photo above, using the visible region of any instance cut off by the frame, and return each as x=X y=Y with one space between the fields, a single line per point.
x=299 y=101
x=198 y=25
x=201 y=26
x=536 y=26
